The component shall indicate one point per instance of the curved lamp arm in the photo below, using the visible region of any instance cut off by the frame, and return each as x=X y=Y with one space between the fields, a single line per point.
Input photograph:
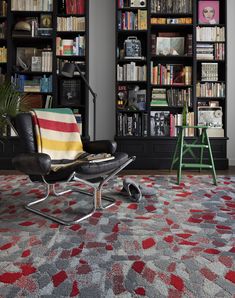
x=68 y=71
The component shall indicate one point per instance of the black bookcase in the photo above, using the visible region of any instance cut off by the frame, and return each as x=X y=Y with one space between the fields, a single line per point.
x=71 y=25
x=183 y=58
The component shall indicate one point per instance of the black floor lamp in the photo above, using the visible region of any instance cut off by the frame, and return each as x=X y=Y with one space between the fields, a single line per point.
x=68 y=71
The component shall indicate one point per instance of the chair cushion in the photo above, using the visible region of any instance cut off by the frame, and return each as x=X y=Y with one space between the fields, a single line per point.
x=86 y=171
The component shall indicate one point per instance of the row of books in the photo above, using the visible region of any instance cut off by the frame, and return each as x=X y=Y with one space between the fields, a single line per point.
x=39 y=84
x=177 y=120
x=131 y=72
x=3 y=30
x=70 y=47
x=3 y=8
x=164 y=123
x=210 y=33
x=171 y=74
x=163 y=21
x=3 y=55
x=73 y=6
x=171 y=6
x=71 y=24
x=42 y=63
x=134 y=124
x=129 y=20
x=31 y=5
x=208 y=51
x=210 y=89
x=209 y=71
x=171 y=97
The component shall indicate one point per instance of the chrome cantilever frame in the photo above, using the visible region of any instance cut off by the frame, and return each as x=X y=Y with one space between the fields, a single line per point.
x=97 y=195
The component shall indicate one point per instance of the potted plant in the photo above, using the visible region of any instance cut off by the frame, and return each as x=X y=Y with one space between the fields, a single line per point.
x=11 y=102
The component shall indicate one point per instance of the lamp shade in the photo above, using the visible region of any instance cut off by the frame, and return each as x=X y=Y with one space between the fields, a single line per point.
x=68 y=70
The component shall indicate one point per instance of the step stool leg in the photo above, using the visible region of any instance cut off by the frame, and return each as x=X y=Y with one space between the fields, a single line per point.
x=202 y=140
x=175 y=158
x=181 y=139
x=211 y=158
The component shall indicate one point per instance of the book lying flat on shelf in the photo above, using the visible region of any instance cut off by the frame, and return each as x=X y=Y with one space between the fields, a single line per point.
x=94 y=158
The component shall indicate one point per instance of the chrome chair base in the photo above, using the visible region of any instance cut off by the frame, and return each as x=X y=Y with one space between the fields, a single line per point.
x=98 y=198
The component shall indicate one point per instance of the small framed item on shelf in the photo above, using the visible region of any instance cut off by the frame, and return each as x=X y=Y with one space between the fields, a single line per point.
x=36 y=64
x=170 y=46
x=45 y=20
x=70 y=92
x=208 y=12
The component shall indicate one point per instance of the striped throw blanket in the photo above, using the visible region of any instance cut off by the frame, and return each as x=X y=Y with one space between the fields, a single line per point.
x=58 y=135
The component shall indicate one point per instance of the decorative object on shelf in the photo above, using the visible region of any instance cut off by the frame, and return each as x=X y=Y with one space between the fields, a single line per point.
x=22 y=26
x=138 y=3
x=132 y=47
x=170 y=46
x=211 y=116
x=68 y=71
x=70 y=92
x=45 y=20
x=208 y=12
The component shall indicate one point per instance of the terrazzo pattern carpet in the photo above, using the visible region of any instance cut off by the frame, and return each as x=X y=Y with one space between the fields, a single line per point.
x=178 y=243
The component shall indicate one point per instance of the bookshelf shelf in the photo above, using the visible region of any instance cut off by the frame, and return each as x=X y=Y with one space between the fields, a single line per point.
x=171 y=26
x=210 y=61
x=70 y=32
x=132 y=59
x=71 y=57
x=64 y=15
x=210 y=97
x=170 y=58
x=36 y=38
x=127 y=31
x=171 y=86
x=209 y=41
x=30 y=12
x=131 y=82
x=33 y=73
x=210 y=25
x=35 y=92
x=135 y=9
x=173 y=15
x=178 y=69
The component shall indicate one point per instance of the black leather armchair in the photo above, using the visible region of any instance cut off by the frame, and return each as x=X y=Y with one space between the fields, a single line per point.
x=38 y=167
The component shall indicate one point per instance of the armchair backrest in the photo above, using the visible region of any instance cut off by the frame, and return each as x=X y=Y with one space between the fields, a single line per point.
x=25 y=129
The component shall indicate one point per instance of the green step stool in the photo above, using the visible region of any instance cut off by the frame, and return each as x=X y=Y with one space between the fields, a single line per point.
x=182 y=147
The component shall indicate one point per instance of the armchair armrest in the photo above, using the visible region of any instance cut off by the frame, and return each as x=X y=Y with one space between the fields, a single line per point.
x=100 y=146
x=32 y=163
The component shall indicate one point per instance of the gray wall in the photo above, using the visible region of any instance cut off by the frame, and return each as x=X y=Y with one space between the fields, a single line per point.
x=102 y=69
x=102 y=65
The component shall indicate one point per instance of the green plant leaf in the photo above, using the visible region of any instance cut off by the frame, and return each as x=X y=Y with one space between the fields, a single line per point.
x=11 y=102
